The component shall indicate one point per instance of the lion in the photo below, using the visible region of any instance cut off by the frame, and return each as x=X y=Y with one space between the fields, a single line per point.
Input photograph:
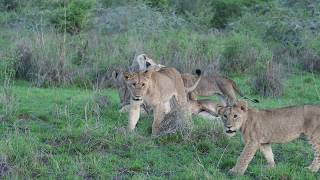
x=212 y=84
x=261 y=128
x=124 y=94
x=209 y=85
x=155 y=87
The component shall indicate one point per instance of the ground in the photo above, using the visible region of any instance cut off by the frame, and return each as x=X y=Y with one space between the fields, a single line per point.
x=67 y=133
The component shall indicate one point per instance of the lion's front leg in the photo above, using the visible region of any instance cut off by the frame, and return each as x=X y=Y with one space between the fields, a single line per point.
x=158 y=114
x=134 y=114
x=244 y=159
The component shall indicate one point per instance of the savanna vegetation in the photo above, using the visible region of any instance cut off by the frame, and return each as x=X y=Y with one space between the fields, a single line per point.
x=59 y=110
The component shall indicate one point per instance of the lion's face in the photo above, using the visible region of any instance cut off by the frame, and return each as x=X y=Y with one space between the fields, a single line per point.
x=138 y=83
x=233 y=117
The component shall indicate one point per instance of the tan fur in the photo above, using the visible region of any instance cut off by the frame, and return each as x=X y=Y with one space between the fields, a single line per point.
x=206 y=105
x=261 y=128
x=213 y=84
x=155 y=88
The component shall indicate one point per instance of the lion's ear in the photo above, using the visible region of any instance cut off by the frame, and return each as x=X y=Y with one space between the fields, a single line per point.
x=148 y=64
x=127 y=76
x=243 y=105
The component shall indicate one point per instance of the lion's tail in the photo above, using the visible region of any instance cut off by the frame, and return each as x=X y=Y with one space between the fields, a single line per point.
x=235 y=87
x=190 y=89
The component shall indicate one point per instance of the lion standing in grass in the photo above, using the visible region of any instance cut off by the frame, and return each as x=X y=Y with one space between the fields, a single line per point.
x=155 y=87
x=261 y=128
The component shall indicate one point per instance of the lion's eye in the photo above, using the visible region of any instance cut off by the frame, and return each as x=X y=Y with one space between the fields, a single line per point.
x=134 y=84
x=235 y=116
x=225 y=116
x=142 y=84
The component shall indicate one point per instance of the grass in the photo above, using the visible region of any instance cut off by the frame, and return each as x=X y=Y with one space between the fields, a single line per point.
x=62 y=133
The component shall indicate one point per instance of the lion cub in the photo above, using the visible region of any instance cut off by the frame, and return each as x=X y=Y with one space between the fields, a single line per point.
x=155 y=88
x=261 y=128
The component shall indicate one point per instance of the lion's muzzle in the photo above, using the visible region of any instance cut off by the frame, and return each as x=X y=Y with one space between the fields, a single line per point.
x=137 y=98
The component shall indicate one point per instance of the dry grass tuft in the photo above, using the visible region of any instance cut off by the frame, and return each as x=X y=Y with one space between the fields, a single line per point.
x=269 y=82
x=177 y=120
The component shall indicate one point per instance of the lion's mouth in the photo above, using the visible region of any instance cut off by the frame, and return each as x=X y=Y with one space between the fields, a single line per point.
x=229 y=131
x=137 y=98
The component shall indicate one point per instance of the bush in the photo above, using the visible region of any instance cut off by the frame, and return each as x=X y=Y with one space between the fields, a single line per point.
x=243 y=54
x=23 y=64
x=9 y=5
x=224 y=11
x=310 y=60
x=268 y=81
x=72 y=16
x=137 y=18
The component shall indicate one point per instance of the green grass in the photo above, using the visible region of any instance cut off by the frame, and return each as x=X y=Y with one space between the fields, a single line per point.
x=62 y=133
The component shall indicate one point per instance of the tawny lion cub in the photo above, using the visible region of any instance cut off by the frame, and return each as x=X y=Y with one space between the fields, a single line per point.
x=155 y=87
x=261 y=128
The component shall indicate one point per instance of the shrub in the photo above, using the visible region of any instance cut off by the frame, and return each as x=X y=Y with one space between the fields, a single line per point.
x=158 y=3
x=224 y=11
x=268 y=81
x=138 y=18
x=243 y=54
x=9 y=5
x=23 y=64
x=72 y=16
x=310 y=60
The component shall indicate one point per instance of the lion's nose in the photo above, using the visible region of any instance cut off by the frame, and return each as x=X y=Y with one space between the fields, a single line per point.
x=229 y=126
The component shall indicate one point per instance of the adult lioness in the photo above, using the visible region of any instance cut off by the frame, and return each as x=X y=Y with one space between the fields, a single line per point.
x=261 y=128
x=125 y=96
x=155 y=87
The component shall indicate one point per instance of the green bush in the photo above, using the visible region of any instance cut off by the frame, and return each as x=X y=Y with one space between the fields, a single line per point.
x=158 y=3
x=72 y=16
x=242 y=54
x=9 y=5
x=224 y=11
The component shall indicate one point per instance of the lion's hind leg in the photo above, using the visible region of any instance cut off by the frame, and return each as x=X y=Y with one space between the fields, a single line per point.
x=267 y=153
x=315 y=165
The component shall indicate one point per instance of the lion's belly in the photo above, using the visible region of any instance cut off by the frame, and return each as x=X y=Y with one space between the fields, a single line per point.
x=285 y=138
x=282 y=134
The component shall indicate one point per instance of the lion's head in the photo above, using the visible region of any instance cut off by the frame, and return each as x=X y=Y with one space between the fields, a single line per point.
x=233 y=116
x=138 y=83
